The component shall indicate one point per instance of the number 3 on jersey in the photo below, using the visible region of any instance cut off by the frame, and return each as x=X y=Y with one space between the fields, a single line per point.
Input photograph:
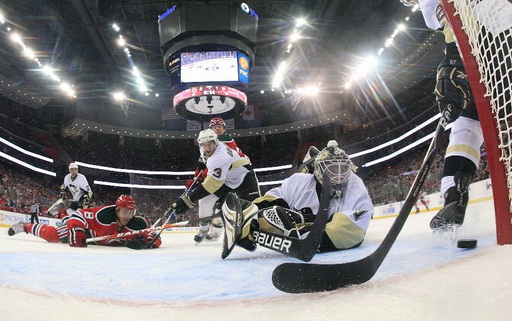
x=217 y=173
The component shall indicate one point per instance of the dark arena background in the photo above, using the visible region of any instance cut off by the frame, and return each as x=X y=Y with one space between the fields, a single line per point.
x=123 y=87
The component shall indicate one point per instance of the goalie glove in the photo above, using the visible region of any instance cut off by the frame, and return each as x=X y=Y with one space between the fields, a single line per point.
x=452 y=90
x=183 y=204
x=286 y=221
x=77 y=237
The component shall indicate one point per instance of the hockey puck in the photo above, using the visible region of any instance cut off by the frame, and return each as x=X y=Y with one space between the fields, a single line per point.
x=466 y=244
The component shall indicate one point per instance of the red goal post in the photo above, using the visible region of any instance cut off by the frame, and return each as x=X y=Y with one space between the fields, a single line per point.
x=483 y=32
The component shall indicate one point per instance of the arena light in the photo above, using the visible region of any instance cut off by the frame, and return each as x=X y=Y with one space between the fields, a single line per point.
x=24 y=151
x=270 y=183
x=2 y=18
x=295 y=36
x=26 y=165
x=29 y=53
x=400 y=151
x=172 y=187
x=403 y=150
x=119 y=96
x=133 y=171
x=398 y=139
x=299 y=22
x=274 y=168
x=121 y=42
x=169 y=173
x=104 y=183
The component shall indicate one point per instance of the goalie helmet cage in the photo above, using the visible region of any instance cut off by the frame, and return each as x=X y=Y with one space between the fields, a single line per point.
x=483 y=33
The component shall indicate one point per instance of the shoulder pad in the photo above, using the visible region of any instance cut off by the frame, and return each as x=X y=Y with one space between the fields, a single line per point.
x=107 y=215
x=137 y=223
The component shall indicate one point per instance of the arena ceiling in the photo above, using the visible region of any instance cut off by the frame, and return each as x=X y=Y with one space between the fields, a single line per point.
x=76 y=38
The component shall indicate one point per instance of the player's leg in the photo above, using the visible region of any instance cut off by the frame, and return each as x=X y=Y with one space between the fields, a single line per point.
x=217 y=226
x=46 y=232
x=461 y=162
x=205 y=206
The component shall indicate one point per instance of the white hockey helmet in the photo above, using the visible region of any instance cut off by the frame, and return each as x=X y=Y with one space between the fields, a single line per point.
x=73 y=165
x=335 y=163
x=206 y=135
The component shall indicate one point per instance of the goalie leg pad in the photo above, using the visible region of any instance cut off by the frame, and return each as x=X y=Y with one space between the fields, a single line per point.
x=237 y=215
x=281 y=220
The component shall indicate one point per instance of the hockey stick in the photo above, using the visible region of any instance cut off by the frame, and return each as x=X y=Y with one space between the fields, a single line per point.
x=149 y=229
x=302 y=249
x=170 y=211
x=306 y=278
x=55 y=207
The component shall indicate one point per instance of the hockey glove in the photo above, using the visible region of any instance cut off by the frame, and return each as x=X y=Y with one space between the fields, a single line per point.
x=77 y=237
x=452 y=90
x=142 y=241
x=63 y=195
x=183 y=204
x=201 y=165
x=285 y=221
x=85 y=201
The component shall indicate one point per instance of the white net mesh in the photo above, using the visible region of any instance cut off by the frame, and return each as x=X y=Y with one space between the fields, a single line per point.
x=488 y=25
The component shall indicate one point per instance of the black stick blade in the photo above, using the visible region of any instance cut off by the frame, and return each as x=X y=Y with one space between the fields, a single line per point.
x=308 y=278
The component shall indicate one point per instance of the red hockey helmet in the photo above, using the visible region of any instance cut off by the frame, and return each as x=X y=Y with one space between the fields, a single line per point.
x=126 y=201
x=217 y=121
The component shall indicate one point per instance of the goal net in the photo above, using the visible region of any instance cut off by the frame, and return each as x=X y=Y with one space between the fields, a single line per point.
x=483 y=31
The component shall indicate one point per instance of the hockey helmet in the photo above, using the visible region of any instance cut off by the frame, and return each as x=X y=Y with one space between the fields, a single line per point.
x=335 y=163
x=217 y=121
x=205 y=136
x=73 y=165
x=126 y=201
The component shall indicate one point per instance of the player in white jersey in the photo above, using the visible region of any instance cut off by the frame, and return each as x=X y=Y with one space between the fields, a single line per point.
x=227 y=171
x=78 y=186
x=463 y=151
x=291 y=208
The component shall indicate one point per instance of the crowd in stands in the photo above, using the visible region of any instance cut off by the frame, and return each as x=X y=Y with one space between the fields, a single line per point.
x=386 y=182
x=19 y=191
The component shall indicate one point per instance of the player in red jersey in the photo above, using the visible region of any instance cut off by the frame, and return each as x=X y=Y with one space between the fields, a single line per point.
x=218 y=125
x=79 y=225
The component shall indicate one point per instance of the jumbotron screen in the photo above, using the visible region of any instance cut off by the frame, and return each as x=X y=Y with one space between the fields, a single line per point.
x=209 y=66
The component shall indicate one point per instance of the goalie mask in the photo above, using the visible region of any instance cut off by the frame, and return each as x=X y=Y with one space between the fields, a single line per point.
x=335 y=163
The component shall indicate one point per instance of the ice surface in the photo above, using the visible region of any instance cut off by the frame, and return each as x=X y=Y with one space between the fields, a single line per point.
x=420 y=279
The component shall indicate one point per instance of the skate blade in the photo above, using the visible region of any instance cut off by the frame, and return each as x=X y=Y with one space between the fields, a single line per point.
x=445 y=235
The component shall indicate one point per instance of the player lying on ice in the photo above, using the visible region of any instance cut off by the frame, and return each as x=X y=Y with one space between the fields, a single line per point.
x=78 y=225
x=291 y=208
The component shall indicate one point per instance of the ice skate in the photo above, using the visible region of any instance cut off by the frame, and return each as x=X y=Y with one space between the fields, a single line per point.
x=452 y=214
x=456 y=201
x=212 y=237
x=215 y=234
x=16 y=228
x=199 y=237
